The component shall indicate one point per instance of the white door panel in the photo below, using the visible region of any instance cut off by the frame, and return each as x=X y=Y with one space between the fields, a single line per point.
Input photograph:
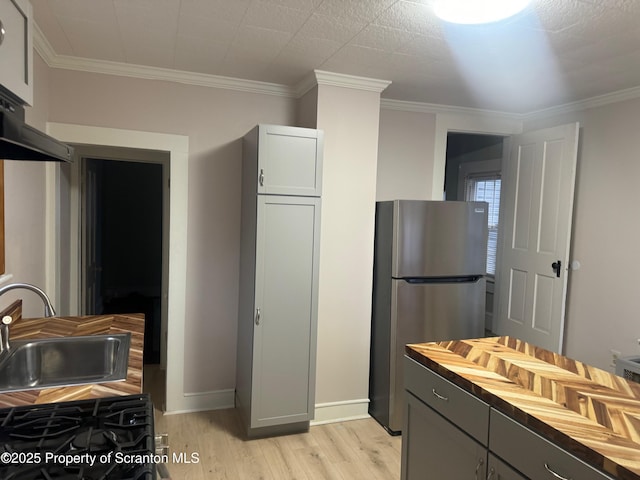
x=537 y=211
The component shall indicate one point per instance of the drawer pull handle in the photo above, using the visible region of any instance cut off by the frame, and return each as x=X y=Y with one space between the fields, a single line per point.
x=438 y=396
x=558 y=476
x=480 y=464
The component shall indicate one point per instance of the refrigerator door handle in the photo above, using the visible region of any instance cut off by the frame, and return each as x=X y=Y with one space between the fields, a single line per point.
x=440 y=280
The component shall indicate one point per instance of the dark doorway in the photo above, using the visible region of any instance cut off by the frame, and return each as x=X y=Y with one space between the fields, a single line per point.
x=123 y=218
x=473 y=172
x=469 y=149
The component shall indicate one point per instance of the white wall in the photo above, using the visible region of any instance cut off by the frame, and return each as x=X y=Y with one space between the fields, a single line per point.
x=24 y=197
x=349 y=118
x=405 y=155
x=214 y=120
x=602 y=311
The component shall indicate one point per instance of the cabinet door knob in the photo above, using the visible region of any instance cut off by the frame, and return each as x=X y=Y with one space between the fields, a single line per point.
x=261 y=178
x=257 y=316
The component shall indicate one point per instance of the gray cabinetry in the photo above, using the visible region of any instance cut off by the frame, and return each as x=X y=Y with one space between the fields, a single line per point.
x=450 y=433
x=461 y=408
x=434 y=448
x=16 y=52
x=515 y=444
x=445 y=428
x=275 y=381
x=498 y=470
x=289 y=160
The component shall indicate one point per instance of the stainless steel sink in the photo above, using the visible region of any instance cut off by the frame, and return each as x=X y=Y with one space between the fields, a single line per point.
x=67 y=361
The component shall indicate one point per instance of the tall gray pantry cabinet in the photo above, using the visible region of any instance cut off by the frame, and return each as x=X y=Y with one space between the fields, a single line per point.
x=279 y=251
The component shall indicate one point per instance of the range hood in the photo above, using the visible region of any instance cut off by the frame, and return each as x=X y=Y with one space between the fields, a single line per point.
x=19 y=141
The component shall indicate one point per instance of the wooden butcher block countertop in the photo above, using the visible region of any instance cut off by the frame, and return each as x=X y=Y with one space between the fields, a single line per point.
x=591 y=413
x=34 y=328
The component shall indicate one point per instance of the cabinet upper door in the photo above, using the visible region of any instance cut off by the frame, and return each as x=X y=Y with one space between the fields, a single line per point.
x=289 y=160
x=16 y=52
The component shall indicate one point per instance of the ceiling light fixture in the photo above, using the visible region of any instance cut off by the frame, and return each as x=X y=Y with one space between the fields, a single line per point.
x=472 y=12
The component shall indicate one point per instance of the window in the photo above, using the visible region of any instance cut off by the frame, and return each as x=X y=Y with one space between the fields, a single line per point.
x=486 y=188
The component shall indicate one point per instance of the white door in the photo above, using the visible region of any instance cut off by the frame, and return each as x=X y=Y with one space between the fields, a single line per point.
x=537 y=206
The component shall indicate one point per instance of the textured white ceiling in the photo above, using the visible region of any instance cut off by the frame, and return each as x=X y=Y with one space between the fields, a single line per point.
x=558 y=51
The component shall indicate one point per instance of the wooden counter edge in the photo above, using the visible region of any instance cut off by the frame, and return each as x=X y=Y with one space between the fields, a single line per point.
x=578 y=449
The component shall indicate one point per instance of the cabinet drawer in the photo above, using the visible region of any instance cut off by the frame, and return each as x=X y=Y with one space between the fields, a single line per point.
x=533 y=455
x=463 y=409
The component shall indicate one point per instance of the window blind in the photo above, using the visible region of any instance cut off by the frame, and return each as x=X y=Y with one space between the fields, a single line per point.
x=486 y=188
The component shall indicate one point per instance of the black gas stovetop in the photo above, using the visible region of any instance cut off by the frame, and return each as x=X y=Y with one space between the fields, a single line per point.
x=102 y=439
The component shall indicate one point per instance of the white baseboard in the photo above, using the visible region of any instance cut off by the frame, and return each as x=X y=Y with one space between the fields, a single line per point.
x=202 y=401
x=324 y=412
x=341 y=411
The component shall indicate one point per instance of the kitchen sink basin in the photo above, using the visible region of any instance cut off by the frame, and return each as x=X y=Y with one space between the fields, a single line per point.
x=55 y=362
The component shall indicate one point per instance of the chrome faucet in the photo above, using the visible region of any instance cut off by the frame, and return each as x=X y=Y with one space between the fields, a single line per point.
x=5 y=321
x=4 y=333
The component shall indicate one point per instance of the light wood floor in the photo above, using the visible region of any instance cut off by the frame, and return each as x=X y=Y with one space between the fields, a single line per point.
x=353 y=450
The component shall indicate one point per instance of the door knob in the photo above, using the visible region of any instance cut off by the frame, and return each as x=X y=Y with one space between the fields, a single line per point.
x=556 y=267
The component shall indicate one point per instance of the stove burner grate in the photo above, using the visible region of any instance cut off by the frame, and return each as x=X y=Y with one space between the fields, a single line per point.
x=93 y=428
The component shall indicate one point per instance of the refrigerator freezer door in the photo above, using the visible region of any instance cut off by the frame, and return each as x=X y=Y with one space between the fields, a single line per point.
x=426 y=313
x=439 y=239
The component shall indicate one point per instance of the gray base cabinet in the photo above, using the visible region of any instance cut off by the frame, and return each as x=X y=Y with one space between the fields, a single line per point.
x=498 y=470
x=515 y=443
x=277 y=320
x=434 y=448
x=449 y=433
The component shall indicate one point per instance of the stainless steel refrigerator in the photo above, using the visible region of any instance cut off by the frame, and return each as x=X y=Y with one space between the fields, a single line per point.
x=428 y=285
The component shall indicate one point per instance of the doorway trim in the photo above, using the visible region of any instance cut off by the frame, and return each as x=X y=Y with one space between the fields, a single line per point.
x=178 y=148
x=464 y=123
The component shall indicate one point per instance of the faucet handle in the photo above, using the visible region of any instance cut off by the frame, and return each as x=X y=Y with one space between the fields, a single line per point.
x=7 y=320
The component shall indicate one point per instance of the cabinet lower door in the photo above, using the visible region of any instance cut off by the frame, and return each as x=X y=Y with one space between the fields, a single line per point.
x=433 y=448
x=287 y=250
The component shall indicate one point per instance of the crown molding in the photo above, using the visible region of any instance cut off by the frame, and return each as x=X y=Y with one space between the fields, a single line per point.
x=67 y=62
x=41 y=45
x=307 y=83
x=318 y=77
x=350 y=81
x=593 y=102
x=321 y=77
x=434 y=108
